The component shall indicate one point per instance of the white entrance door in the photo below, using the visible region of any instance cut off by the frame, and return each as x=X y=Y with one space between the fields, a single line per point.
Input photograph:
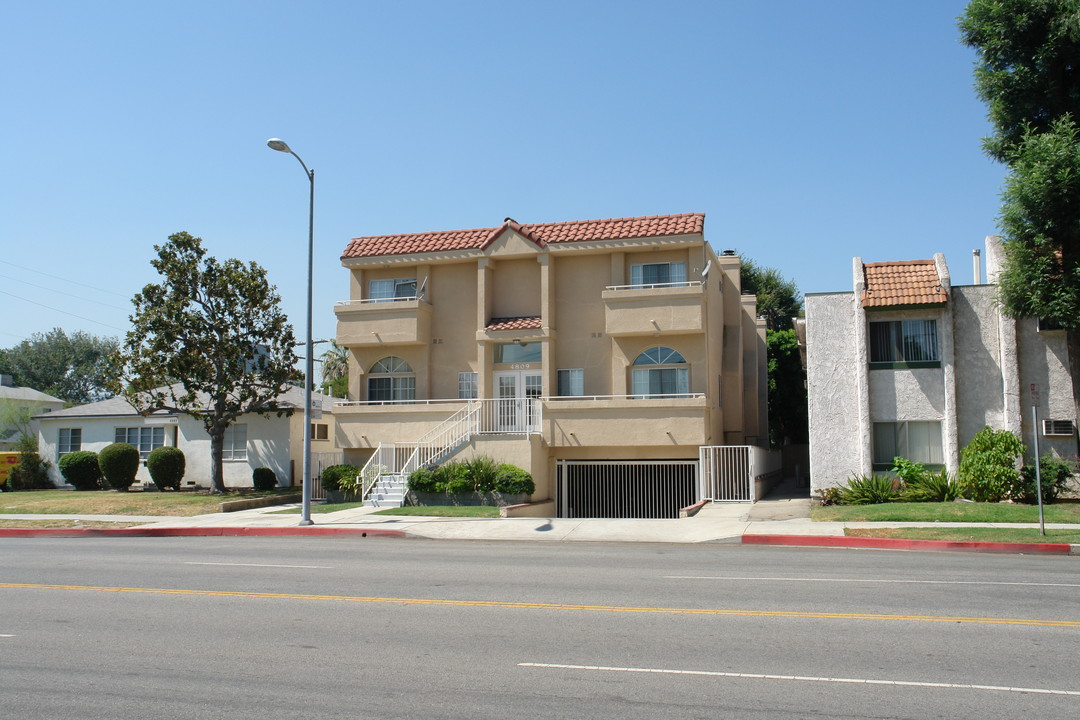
x=516 y=390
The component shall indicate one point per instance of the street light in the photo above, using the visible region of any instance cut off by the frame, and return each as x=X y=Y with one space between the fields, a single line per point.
x=309 y=367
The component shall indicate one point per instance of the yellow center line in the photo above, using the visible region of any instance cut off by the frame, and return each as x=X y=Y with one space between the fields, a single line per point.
x=555 y=606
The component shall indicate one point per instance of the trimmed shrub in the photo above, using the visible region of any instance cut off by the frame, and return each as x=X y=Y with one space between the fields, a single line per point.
x=512 y=480
x=989 y=465
x=263 y=478
x=339 y=478
x=119 y=464
x=869 y=490
x=166 y=465
x=1055 y=474
x=81 y=469
x=423 y=480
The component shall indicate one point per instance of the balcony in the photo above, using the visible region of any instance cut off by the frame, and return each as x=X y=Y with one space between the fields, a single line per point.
x=391 y=321
x=624 y=420
x=660 y=309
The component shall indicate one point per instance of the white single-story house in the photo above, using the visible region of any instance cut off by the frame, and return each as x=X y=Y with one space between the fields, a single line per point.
x=908 y=364
x=252 y=441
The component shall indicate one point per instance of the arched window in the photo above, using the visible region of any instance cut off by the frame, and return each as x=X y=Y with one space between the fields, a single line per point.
x=391 y=379
x=660 y=371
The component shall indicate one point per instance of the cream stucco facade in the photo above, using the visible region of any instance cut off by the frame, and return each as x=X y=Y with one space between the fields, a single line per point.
x=985 y=368
x=517 y=316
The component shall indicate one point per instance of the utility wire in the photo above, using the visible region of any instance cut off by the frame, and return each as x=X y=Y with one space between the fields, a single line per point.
x=57 y=277
x=61 y=292
x=65 y=312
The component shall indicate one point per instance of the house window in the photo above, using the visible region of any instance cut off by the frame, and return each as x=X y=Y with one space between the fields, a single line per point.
x=467 y=385
x=910 y=343
x=391 y=380
x=660 y=371
x=571 y=381
x=320 y=431
x=234 y=446
x=518 y=352
x=916 y=441
x=652 y=274
x=70 y=441
x=145 y=439
x=1057 y=428
x=387 y=290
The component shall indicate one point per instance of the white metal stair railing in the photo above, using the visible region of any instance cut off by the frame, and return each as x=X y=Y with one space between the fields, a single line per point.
x=385 y=475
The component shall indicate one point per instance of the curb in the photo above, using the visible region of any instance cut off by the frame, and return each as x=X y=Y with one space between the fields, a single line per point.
x=908 y=544
x=199 y=532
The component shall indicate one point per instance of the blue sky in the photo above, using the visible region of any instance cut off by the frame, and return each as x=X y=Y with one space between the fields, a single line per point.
x=808 y=132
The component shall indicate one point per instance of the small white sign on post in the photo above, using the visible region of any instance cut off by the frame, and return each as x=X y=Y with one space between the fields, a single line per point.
x=1034 y=395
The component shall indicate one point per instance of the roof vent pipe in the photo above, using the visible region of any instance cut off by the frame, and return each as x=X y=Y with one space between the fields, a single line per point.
x=977 y=265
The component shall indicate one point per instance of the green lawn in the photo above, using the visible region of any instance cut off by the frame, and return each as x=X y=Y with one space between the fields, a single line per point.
x=947 y=512
x=482 y=511
x=320 y=508
x=105 y=502
x=980 y=534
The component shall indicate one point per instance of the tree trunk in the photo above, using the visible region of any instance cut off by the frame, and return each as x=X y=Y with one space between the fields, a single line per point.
x=1073 y=344
x=217 y=477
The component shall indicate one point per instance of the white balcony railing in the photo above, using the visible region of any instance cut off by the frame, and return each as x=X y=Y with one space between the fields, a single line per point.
x=376 y=301
x=650 y=286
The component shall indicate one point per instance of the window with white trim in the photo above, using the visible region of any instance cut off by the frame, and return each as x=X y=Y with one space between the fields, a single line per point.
x=918 y=441
x=660 y=371
x=468 y=384
x=145 y=439
x=571 y=381
x=234 y=446
x=391 y=380
x=651 y=274
x=70 y=440
x=387 y=290
x=905 y=342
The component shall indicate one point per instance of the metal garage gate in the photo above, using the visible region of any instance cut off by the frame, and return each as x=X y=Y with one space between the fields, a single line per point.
x=625 y=488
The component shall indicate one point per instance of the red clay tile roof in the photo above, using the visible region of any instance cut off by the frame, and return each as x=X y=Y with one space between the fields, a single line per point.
x=911 y=282
x=514 y=323
x=541 y=234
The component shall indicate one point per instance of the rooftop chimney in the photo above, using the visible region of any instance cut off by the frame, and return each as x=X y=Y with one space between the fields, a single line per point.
x=978 y=266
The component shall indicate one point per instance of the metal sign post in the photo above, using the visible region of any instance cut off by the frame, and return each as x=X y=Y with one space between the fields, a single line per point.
x=1038 y=470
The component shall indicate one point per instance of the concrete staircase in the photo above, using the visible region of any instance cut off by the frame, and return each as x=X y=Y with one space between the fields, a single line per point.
x=389 y=491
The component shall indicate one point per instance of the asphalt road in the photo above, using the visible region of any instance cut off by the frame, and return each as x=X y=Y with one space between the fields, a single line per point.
x=375 y=628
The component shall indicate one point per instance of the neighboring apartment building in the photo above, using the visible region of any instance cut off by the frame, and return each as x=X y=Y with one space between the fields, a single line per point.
x=252 y=441
x=565 y=348
x=909 y=365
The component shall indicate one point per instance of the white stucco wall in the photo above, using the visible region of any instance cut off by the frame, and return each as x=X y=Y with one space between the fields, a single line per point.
x=1044 y=361
x=979 y=380
x=832 y=376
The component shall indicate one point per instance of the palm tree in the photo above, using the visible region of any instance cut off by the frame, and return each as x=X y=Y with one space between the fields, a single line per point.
x=335 y=367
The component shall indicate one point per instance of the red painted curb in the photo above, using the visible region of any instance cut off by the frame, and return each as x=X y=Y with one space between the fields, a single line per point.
x=905 y=544
x=198 y=532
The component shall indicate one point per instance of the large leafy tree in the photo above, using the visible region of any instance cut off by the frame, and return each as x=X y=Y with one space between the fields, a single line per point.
x=1028 y=73
x=779 y=301
x=209 y=340
x=71 y=367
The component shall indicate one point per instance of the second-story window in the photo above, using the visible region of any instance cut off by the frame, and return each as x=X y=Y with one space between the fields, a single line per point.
x=651 y=274
x=391 y=380
x=571 y=381
x=467 y=384
x=387 y=290
x=660 y=371
x=904 y=342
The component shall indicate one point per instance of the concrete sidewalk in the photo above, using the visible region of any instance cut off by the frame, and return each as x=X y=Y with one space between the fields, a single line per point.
x=773 y=521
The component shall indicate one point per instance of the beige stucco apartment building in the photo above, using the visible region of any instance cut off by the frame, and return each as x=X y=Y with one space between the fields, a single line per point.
x=565 y=348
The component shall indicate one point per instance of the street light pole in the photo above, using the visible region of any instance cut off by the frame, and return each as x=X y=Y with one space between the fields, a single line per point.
x=309 y=362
